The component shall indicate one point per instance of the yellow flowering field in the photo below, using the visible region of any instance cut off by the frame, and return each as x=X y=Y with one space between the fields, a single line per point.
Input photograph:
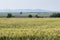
x=29 y=28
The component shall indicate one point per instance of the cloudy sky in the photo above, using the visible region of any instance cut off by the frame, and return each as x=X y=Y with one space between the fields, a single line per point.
x=53 y=5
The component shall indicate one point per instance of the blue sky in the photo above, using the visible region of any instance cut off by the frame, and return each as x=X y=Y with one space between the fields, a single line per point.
x=53 y=5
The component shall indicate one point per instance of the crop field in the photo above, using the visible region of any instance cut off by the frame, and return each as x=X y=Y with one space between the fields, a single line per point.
x=29 y=28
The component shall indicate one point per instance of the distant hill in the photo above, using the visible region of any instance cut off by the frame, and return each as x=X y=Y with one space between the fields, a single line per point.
x=23 y=10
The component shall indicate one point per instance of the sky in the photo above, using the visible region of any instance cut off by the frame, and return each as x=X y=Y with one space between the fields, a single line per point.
x=52 y=5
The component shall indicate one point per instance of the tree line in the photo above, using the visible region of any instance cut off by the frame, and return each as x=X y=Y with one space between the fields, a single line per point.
x=9 y=15
x=55 y=15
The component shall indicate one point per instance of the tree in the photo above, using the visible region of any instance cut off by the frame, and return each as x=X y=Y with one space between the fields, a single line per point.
x=55 y=15
x=9 y=15
x=30 y=16
x=36 y=16
x=20 y=12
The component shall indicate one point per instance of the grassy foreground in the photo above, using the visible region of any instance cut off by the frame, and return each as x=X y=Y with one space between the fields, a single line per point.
x=29 y=28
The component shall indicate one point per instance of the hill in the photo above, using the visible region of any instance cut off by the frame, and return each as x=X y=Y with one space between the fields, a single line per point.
x=23 y=10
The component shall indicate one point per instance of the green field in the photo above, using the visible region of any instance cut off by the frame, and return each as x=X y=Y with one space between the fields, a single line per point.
x=29 y=28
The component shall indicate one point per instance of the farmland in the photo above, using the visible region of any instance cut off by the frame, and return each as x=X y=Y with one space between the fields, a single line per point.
x=29 y=28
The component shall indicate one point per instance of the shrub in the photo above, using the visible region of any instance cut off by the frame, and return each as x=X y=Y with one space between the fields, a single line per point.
x=9 y=15
x=30 y=16
x=36 y=16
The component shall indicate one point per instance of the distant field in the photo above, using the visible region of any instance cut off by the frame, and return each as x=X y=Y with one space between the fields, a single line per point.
x=29 y=28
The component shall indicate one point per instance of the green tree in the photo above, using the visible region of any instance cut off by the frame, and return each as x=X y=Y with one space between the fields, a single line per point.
x=30 y=16
x=20 y=12
x=9 y=15
x=55 y=15
x=36 y=16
